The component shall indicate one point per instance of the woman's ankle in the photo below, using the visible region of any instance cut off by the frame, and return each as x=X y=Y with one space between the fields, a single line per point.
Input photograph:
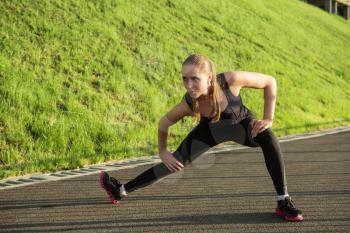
x=282 y=197
x=122 y=191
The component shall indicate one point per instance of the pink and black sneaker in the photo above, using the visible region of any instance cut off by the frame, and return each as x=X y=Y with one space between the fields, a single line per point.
x=112 y=187
x=286 y=209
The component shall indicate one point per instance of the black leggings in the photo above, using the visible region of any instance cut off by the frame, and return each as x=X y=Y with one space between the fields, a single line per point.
x=207 y=135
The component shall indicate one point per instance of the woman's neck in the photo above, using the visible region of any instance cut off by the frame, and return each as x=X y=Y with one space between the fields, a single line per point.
x=204 y=97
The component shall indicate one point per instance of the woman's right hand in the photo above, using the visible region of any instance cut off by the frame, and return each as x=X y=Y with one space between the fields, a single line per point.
x=170 y=161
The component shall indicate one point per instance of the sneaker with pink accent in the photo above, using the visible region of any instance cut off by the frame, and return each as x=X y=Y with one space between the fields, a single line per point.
x=112 y=187
x=286 y=208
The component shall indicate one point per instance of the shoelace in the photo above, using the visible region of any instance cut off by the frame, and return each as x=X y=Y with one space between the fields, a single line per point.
x=290 y=203
x=117 y=184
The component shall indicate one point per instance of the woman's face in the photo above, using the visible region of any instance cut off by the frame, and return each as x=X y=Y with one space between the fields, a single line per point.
x=195 y=81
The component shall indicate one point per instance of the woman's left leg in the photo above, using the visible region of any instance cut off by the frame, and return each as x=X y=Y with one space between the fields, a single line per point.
x=272 y=155
x=275 y=165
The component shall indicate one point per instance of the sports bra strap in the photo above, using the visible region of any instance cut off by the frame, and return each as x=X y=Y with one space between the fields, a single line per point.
x=188 y=99
x=222 y=81
x=225 y=88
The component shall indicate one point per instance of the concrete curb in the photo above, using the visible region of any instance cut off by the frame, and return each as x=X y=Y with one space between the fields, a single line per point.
x=130 y=163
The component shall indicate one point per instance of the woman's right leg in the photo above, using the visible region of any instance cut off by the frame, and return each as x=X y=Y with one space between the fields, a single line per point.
x=200 y=139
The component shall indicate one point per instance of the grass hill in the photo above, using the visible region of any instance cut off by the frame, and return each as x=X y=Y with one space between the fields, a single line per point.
x=85 y=82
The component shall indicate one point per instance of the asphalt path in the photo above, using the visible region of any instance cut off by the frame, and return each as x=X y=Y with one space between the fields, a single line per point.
x=222 y=192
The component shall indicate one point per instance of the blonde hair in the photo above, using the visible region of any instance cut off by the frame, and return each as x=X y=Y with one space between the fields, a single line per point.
x=204 y=64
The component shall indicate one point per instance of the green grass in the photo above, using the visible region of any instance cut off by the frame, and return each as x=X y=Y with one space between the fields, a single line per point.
x=85 y=82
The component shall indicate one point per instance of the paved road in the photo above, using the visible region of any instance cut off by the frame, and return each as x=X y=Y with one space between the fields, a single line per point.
x=223 y=192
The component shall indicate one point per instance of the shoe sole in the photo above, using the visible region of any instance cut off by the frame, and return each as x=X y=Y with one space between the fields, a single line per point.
x=113 y=200
x=280 y=213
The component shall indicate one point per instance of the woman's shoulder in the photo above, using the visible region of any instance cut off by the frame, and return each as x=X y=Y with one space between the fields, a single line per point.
x=230 y=78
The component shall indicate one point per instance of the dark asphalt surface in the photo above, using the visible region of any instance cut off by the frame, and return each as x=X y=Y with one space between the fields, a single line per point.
x=223 y=192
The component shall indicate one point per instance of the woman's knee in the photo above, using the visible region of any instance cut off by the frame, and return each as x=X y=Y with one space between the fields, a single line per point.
x=265 y=136
x=191 y=148
x=160 y=170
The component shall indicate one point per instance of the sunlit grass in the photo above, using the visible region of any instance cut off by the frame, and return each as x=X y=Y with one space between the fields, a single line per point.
x=86 y=82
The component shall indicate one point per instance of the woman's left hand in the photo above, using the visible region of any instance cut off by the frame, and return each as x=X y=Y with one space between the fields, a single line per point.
x=260 y=125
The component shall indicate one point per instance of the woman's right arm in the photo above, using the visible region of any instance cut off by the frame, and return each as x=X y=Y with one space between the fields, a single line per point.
x=170 y=118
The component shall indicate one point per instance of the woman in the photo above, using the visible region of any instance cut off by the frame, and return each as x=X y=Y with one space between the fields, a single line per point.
x=214 y=102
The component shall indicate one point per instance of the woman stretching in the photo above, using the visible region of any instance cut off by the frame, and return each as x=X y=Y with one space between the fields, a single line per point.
x=216 y=105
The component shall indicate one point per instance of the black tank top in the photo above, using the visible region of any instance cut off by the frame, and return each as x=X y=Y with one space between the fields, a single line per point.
x=235 y=110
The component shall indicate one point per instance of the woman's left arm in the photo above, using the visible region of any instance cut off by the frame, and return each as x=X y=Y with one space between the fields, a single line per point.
x=257 y=80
